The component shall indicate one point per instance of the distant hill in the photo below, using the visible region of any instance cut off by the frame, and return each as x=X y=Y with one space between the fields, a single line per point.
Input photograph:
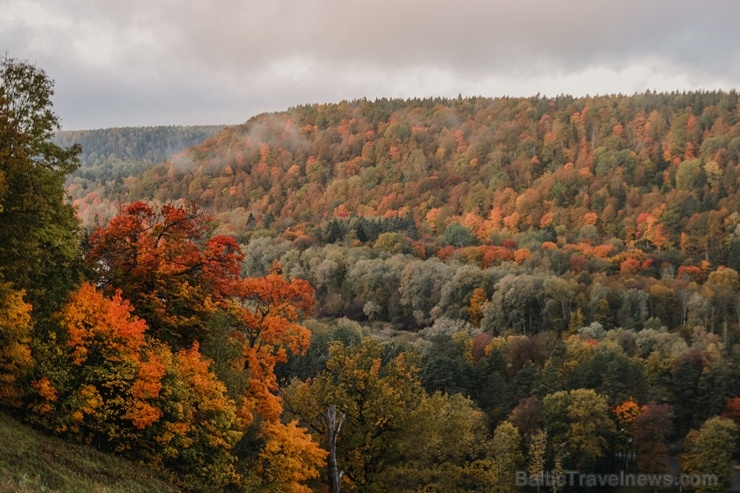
x=112 y=152
x=656 y=171
x=32 y=462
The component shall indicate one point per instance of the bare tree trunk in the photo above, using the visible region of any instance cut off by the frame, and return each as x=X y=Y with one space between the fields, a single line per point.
x=334 y=426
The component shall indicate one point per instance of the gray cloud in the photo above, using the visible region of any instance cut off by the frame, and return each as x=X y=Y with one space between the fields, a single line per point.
x=166 y=61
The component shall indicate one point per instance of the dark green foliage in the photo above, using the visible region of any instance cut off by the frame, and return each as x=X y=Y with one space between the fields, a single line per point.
x=685 y=388
x=611 y=373
x=39 y=237
x=112 y=153
x=445 y=369
x=458 y=236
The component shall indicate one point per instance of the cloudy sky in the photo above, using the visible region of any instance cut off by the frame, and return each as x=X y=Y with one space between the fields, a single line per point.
x=163 y=62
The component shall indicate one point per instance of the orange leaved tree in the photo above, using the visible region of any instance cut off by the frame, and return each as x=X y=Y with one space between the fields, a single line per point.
x=107 y=379
x=198 y=429
x=265 y=321
x=163 y=262
x=267 y=311
x=15 y=352
x=113 y=387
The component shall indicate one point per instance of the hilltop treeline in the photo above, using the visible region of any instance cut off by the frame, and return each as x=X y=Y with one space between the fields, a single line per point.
x=650 y=167
x=103 y=149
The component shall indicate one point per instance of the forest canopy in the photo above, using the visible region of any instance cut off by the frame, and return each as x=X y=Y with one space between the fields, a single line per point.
x=368 y=296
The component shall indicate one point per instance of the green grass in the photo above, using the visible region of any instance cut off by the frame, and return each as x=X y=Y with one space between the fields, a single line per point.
x=33 y=462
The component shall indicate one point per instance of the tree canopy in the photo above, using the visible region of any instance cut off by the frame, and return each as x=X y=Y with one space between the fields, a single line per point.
x=39 y=237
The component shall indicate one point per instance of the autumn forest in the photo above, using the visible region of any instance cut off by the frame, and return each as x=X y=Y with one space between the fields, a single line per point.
x=391 y=295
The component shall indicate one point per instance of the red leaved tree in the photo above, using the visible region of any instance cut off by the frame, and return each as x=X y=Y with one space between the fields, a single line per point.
x=163 y=262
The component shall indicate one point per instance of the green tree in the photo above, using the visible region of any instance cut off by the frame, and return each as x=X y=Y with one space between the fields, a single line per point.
x=443 y=448
x=690 y=175
x=611 y=373
x=578 y=419
x=516 y=305
x=709 y=450
x=456 y=293
x=458 y=236
x=685 y=389
x=376 y=399
x=506 y=445
x=393 y=436
x=445 y=367
x=421 y=286
x=39 y=237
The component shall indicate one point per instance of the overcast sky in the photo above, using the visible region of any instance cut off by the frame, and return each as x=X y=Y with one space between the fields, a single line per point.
x=164 y=62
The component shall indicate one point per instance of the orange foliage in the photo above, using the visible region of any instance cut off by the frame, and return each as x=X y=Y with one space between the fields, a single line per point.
x=494 y=254
x=462 y=145
x=146 y=387
x=732 y=410
x=290 y=457
x=341 y=212
x=521 y=255
x=475 y=306
x=160 y=260
x=114 y=379
x=15 y=354
x=198 y=428
x=590 y=218
x=445 y=252
x=626 y=412
x=267 y=310
x=630 y=266
x=95 y=324
x=47 y=393
x=511 y=222
x=474 y=223
x=603 y=251
x=495 y=218
x=432 y=217
x=690 y=273
x=546 y=219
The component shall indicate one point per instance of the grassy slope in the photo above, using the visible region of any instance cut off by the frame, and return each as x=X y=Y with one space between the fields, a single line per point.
x=33 y=462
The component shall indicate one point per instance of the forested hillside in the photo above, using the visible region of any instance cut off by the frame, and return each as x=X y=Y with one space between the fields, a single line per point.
x=642 y=169
x=103 y=147
x=593 y=190
x=424 y=295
